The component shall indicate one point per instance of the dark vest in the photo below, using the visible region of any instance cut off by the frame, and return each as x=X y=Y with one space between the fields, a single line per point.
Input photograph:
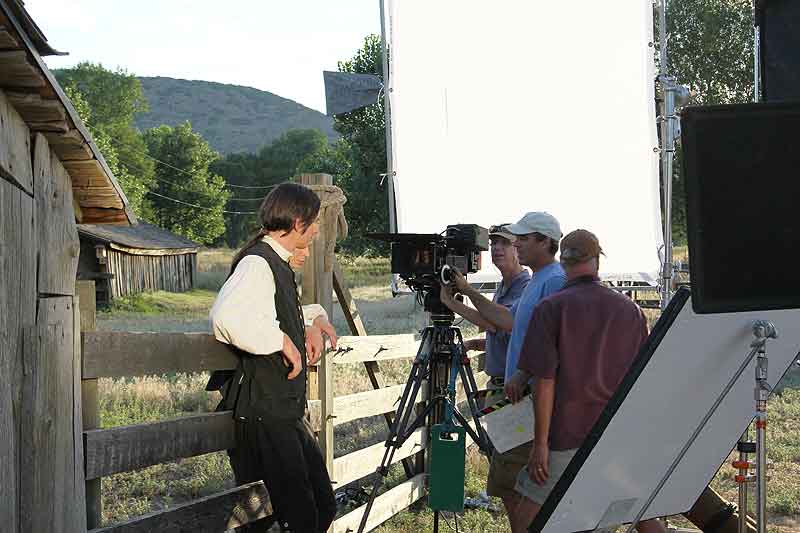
x=259 y=387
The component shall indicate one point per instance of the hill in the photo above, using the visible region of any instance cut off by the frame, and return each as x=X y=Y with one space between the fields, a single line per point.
x=232 y=118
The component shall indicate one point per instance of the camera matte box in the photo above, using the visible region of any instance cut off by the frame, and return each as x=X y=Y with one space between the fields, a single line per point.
x=742 y=169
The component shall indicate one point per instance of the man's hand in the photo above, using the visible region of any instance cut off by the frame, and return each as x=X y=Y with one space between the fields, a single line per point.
x=538 y=465
x=515 y=387
x=315 y=344
x=291 y=357
x=446 y=296
x=326 y=328
x=460 y=282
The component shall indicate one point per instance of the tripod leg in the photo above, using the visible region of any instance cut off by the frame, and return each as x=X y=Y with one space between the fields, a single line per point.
x=471 y=388
x=482 y=442
x=398 y=433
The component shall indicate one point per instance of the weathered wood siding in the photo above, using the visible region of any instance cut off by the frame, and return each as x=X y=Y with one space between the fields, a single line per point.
x=18 y=304
x=41 y=449
x=59 y=246
x=52 y=486
x=147 y=273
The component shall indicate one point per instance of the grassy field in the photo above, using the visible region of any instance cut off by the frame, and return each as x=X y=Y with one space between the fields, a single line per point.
x=137 y=400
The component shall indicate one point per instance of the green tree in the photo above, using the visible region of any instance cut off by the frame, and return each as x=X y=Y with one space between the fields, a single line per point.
x=294 y=152
x=114 y=98
x=184 y=176
x=135 y=189
x=363 y=130
x=710 y=47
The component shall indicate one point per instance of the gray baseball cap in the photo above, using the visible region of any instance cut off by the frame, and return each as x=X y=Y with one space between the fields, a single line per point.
x=537 y=222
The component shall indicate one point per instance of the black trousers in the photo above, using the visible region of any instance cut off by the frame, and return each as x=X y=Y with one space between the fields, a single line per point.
x=286 y=456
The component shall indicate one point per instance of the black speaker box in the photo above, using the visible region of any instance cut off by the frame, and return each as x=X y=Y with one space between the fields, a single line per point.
x=742 y=172
x=779 y=23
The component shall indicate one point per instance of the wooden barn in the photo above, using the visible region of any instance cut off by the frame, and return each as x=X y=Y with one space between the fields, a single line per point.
x=126 y=260
x=52 y=176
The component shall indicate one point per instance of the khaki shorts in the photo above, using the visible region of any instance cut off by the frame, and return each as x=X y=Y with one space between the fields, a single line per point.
x=504 y=468
x=557 y=462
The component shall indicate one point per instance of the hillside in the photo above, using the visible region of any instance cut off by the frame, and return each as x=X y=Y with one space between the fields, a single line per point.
x=231 y=117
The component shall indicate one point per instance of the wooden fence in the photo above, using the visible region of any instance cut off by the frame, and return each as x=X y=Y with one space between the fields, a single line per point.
x=121 y=449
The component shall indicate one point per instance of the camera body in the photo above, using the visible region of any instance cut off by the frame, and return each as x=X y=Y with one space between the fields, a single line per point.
x=424 y=261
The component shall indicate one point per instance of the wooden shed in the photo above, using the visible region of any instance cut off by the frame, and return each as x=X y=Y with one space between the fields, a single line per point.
x=142 y=257
x=51 y=177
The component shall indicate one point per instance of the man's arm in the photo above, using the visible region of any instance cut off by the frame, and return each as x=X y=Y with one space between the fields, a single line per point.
x=498 y=315
x=446 y=296
x=544 y=392
x=244 y=314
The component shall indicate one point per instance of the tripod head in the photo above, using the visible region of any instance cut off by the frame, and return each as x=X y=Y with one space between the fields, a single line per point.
x=440 y=314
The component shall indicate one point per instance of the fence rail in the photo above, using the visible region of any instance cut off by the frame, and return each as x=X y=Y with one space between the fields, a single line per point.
x=126 y=448
x=141 y=354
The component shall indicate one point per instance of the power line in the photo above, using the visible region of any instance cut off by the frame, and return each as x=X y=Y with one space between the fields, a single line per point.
x=183 y=186
x=146 y=154
x=200 y=206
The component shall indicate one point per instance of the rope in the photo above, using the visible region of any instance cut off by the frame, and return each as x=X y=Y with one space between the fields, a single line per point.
x=333 y=224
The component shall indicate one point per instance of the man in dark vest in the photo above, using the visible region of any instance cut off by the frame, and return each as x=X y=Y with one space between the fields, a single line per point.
x=258 y=313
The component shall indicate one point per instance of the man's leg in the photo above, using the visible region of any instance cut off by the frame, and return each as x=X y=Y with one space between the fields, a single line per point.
x=319 y=477
x=286 y=476
x=247 y=467
x=533 y=495
x=503 y=470
x=651 y=526
x=524 y=514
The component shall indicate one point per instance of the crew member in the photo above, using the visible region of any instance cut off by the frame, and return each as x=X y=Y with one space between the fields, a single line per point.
x=536 y=242
x=514 y=280
x=578 y=347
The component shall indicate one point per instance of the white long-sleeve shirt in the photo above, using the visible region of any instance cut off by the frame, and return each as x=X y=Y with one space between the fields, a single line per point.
x=244 y=313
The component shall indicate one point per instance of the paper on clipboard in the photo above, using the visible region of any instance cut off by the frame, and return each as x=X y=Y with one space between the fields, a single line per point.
x=509 y=424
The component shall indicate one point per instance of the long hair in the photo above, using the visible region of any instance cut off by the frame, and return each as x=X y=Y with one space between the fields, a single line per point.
x=282 y=206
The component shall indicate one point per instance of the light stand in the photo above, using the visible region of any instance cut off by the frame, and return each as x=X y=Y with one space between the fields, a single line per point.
x=441 y=358
x=744 y=446
x=762 y=330
x=674 y=96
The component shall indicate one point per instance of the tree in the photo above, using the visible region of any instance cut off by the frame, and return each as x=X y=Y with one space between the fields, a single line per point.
x=188 y=200
x=135 y=189
x=364 y=132
x=294 y=152
x=114 y=98
x=710 y=47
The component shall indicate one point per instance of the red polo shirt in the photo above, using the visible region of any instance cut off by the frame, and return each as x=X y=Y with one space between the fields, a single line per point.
x=585 y=337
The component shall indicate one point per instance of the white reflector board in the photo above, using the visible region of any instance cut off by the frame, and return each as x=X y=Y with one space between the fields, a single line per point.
x=673 y=383
x=499 y=108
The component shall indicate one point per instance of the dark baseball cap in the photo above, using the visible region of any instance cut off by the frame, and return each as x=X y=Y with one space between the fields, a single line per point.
x=580 y=246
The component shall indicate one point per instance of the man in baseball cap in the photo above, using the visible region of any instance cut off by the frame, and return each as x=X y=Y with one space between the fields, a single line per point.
x=537 y=222
x=536 y=236
x=579 y=345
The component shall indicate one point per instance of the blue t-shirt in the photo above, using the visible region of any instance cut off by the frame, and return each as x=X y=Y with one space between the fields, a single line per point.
x=497 y=343
x=545 y=282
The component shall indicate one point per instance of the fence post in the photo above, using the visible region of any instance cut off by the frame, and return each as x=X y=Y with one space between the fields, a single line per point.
x=318 y=288
x=90 y=405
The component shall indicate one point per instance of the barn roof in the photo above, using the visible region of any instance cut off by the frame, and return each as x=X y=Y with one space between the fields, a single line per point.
x=141 y=236
x=35 y=94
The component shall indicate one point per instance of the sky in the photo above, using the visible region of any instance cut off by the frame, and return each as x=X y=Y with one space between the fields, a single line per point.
x=280 y=46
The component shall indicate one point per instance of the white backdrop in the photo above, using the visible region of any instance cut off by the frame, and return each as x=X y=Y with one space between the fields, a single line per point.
x=499 y=108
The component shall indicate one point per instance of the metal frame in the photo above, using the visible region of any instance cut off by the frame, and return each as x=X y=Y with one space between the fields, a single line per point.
x=387 y=114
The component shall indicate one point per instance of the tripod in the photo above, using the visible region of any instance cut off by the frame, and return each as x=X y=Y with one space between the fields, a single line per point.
x=441 y=358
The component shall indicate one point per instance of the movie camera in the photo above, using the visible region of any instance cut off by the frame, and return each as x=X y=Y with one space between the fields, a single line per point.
x=425 y=261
